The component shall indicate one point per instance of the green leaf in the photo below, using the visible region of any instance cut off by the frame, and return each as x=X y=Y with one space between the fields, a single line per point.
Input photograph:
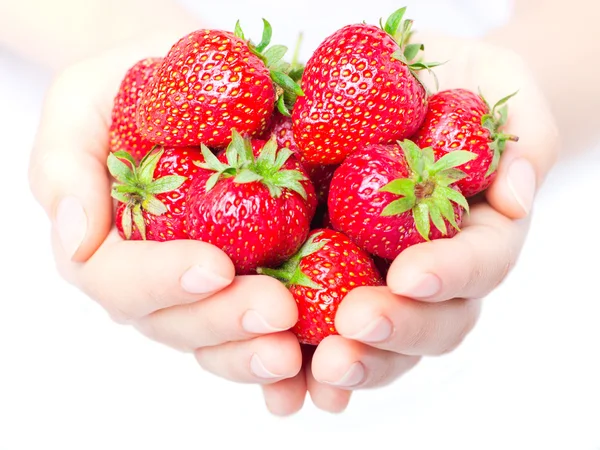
x=503 y=116
x=453 y=159
x=211 y=161
x=504 y=100
x=212 y=181
x=289 y=179
x=275 y=54
x=414 y=157
x=284 y=81
x=282 y=157
x=121 y=154
x=428 y=159
x=138 y=220
x=238 y=31
x=399 y=55
x=301 y=279
x=454 y=196
x=154 y=206
x=445 y=207
x=166 y=184
x=311 y=246
x=247 y=176
x=266 y=159
x=400 y=186
x=119 y=170
x=394 y=21
x=266 y=37
x=422 y=221
x=122 y=197
x=436 y=217
x=148 y=166
x=127 y=222
x=497 y=151
x=398 y=207
x=296 y=74
x=450 y=176
x=412 y=50
x=132 y=190
x=282 y=107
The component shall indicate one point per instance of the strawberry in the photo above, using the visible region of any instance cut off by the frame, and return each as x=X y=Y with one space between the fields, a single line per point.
x=123 y=132
x=459 y=119
x=386 y=197
x=319 y=276
x=152 y=194
x=320 y=175
x=360 y=89
x=254 y=201
x=211 y=82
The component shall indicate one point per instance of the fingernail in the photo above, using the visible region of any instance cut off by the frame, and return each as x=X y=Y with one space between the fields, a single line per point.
x=377 y=331
x=199 y=280
x=423 y=286
x=258 y=368
x=254 y=323
x=522 y=183
x=353 y=377
x=71 y=224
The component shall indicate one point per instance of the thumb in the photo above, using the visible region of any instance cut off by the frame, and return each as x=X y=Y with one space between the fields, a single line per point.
x=67 y=171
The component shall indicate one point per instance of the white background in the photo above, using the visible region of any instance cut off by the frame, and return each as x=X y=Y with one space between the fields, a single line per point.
x=527 y=377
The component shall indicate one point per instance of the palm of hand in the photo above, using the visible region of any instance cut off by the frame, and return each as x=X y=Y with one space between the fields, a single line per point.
x=384 y=333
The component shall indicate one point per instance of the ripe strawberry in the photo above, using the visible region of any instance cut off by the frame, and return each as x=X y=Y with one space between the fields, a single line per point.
x=211 y=82
x=254 y=202
x=320 y=275
x=320 y=175
x=152 y=194
x=360 y=89
x=385 y=197
x=459 y=119
x=123 y=132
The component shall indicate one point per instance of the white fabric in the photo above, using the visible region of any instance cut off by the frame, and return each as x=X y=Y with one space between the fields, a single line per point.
x=526 y=379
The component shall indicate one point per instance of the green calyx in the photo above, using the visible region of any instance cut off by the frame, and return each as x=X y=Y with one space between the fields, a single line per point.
x=245 y=168
x=137 y=188
x=401 y=31
x=427 y=192
x=493 y=121
x=289 y=273
x=283 y=74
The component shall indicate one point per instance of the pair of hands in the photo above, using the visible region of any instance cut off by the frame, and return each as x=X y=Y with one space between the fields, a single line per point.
x=185 y=293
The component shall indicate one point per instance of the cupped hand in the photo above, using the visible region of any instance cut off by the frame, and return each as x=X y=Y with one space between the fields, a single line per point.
x=434 y=290
x=181 y=293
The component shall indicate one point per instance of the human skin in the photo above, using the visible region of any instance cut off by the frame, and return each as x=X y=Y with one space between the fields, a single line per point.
x=383 y=331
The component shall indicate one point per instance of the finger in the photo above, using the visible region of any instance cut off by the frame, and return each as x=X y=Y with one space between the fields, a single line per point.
x=470 y=265
x=285 y=398
x=132 y=279
x=250 y=306
x=67 y=172
x=383 y=320
x=526 y=163
x=263 y=360
x=348 y=364
x=325 y=396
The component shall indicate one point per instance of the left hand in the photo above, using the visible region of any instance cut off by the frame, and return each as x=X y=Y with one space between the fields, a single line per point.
x=434 y=290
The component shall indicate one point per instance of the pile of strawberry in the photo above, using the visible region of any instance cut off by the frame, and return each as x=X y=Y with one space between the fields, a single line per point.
x=319 y=175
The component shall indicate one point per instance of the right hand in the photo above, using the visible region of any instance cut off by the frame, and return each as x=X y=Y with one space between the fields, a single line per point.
x=180 y=293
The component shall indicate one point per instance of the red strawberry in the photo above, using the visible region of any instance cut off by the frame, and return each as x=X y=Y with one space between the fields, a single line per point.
x=123 y=133
x=152 y=194
x=320 y=275
x=211 y=82
x=360 y=89
x=386 y=197
x=459 y=119
x=256 y=209
x=320 y=175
